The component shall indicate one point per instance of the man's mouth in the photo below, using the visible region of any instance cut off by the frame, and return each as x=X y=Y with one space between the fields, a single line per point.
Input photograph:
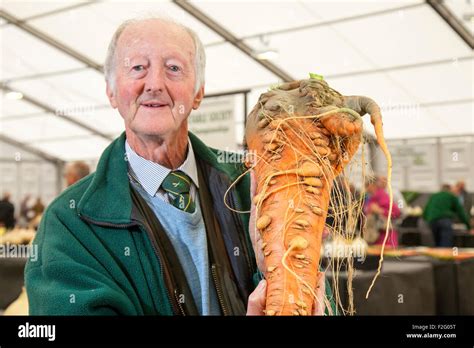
x=153 y=105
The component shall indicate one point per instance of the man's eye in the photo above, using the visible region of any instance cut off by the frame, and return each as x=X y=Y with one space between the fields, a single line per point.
x=138 y=68
x=174 y=68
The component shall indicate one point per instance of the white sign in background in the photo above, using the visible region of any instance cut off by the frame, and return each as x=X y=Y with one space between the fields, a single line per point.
x=424 y=164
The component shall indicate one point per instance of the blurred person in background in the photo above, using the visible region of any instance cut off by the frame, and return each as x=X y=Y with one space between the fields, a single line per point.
x=441 y=209
x=7 y=212
x=25 y=207
x=369 y=187
x=75 y=171
x=36 y=213
x=38 y=208
x=398 y=199
x=463 y=196
x=376 y=209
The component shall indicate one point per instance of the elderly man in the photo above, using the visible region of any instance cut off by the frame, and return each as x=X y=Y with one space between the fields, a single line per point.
x=148 y=232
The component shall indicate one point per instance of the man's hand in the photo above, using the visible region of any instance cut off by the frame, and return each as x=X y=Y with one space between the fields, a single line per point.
x=257 y=298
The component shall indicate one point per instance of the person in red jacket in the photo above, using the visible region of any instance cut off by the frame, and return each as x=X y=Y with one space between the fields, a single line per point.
x=378 y=204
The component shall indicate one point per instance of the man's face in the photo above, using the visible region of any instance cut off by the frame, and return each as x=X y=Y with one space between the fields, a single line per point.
x=155 y=78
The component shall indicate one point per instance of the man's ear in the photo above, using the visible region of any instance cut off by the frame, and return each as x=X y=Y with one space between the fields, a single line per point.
x=198 y=98
x=111 y=95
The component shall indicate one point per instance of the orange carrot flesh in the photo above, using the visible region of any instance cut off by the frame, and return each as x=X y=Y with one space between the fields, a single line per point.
x=297 y=158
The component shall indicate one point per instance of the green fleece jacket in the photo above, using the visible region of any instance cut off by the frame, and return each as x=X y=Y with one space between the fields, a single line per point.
x=91 y=260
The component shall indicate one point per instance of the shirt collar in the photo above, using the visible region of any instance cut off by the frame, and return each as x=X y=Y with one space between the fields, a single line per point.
x=151 y=174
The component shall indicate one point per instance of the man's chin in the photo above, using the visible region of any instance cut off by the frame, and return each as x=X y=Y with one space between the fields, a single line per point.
x=150 y=133
x=157 y=132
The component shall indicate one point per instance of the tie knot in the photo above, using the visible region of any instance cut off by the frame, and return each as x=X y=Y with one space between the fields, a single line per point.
x=176 y=182
x=177 y=185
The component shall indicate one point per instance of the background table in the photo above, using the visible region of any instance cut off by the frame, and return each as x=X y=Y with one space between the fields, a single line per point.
x=454 y=284
x=11 y=279
x=403 y=288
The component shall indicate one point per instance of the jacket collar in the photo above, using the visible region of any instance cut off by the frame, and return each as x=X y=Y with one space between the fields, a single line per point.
x=107 y=199
x=151 y=175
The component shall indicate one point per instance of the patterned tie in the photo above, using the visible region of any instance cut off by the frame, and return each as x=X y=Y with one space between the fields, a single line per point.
x=178 y=185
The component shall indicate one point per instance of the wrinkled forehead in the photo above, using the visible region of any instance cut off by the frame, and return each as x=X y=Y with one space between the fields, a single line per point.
x=155 y=35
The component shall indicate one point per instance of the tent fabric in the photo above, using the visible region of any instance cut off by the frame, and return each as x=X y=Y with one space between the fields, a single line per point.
x=400 y=53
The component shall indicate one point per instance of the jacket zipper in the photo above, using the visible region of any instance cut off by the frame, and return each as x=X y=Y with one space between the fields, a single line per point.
x=178 y=302
x=157 y=254
x=218 y=290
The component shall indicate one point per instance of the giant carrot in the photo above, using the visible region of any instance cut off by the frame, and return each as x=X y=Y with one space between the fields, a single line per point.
x=302 y=133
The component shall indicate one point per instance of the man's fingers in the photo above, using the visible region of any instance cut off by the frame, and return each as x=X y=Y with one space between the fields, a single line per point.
x=256 y=303
x=319 y=305
x=254 y=234
x=253 y=184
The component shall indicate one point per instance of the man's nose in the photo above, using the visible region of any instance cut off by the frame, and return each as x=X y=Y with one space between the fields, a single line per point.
x=155 y=81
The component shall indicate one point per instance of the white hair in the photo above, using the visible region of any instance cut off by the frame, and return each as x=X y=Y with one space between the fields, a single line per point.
x=199 y=53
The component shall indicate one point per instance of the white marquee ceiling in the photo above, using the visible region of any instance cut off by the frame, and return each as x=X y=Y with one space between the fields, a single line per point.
x=400 y=53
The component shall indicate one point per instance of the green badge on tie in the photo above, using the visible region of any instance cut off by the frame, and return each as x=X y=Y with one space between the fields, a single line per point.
x=178 y=186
